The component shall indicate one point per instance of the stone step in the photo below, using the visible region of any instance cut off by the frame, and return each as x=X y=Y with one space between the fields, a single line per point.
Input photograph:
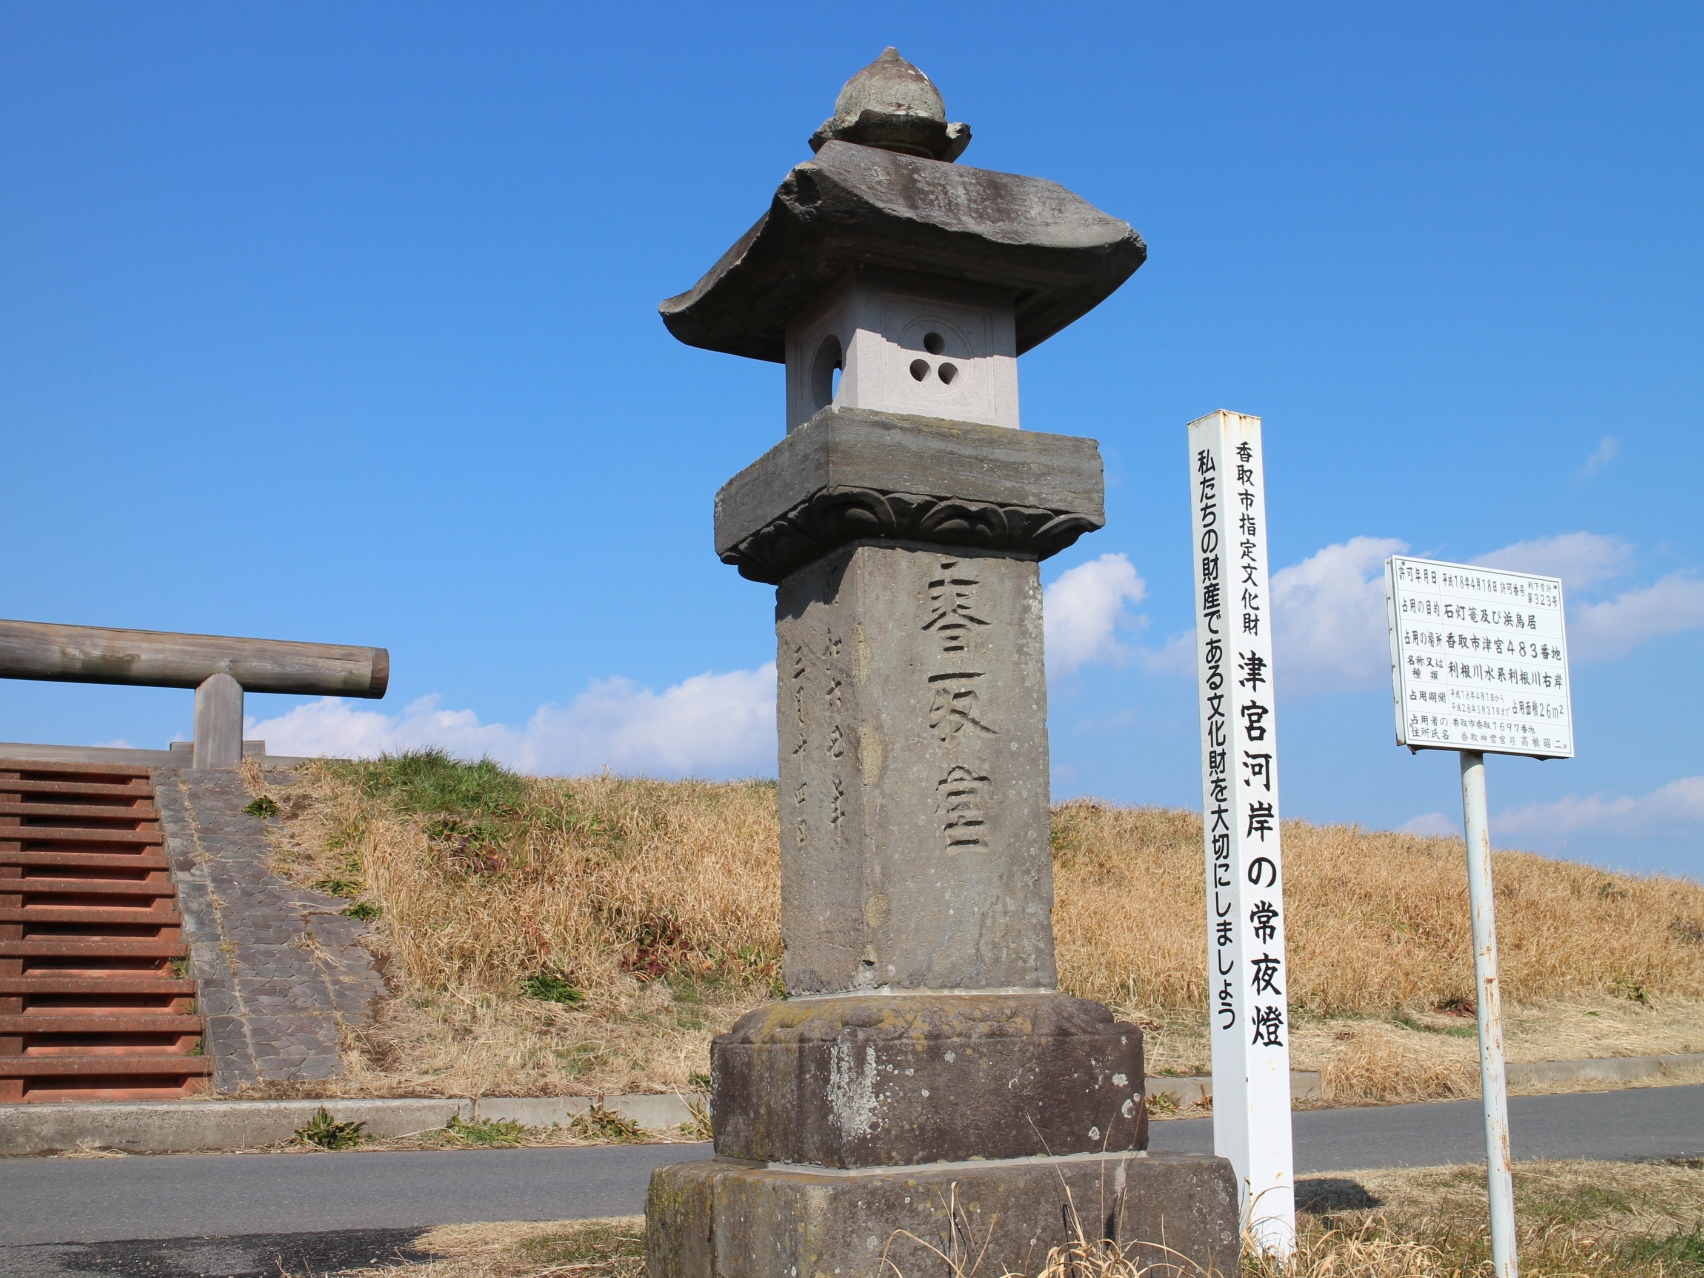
x=160 y=890
x=61 y=834
x=53 y=1022
x=137 y=810
x=85 y=860
x=94 y=949
x=119 y=1047
x=96 y=789
x=82 y=811
x=120 y=1064
x=116 y=915
x=50 y=771
x=93 y=986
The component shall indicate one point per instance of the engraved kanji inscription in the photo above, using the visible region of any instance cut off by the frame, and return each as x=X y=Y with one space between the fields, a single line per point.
x=953 y=705
x=962 y=795
x=952 y=593
x=834 y=694
x=798 y=664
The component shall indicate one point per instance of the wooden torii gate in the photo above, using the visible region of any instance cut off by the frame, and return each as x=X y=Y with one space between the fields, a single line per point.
x=219 y=667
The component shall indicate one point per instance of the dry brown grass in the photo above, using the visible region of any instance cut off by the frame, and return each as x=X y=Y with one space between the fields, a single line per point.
x=1586 y=1218
x=1575 y=1220
x=1433 y=1056
x=655 y=905
x=609 y=1248
x=1377 y=922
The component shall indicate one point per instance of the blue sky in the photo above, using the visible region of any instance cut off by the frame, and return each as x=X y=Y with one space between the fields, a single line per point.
x=337 y=322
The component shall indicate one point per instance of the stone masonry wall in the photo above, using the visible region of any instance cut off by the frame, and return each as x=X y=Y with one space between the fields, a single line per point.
x=280 y=970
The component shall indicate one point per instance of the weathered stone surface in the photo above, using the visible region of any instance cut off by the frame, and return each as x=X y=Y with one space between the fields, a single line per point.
x=912 y=714
x=280 y=972
x=849 y=475
x=894 y=1080
x=892 y=104
x=916 y=879
x=724 y=1219
x=862 y=206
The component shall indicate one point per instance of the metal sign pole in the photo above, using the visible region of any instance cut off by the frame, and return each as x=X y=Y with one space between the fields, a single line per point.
x=1479 y=664
x=1493 y=1085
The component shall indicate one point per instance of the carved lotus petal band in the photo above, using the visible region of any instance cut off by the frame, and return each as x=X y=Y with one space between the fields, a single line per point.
x=835 y=516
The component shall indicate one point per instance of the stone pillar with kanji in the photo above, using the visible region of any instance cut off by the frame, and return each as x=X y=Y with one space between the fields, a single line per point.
x=925 y=1084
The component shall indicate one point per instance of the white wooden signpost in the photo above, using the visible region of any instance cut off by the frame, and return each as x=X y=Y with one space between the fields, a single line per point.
x=1245 y=867
x=1479 y=664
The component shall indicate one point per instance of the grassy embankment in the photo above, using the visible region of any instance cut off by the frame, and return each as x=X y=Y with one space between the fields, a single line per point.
x=589 y=936
x=1576 y=1220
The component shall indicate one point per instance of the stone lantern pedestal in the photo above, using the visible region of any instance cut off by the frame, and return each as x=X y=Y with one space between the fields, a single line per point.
x=924 y=1087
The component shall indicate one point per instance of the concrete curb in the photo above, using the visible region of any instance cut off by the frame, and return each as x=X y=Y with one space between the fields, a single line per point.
x=1308 y=1084
x=1609 y=1069
x=159 y=1127
x=1305 y=1084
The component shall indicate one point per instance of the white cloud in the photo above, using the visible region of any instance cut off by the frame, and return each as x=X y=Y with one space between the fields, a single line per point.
x=1330 y=631
x=1616 y=626
x=1176 y=657
x=1608 y=449
x=1083 y=610
x=1581 y=559
x=711 y=725
x=1430 y=824
x=1675 y=809
x=1613 y=627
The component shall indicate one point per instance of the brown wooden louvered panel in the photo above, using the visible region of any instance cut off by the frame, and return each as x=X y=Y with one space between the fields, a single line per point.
x=93 y=1001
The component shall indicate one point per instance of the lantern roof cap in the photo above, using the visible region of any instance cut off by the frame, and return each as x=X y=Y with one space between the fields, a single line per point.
x=891 y=104
x=856 y=206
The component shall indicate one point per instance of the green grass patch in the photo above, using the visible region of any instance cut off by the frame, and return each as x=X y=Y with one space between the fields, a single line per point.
x=598 y=1123
x=551 y=989
x=1453 y=1031
x=264 y=806
x=495 y=1132
x=362 y=910
x=580 y=1058
x=1578 y=1204
x=326 y=1132
x=430 y=781
x=1680 y=1254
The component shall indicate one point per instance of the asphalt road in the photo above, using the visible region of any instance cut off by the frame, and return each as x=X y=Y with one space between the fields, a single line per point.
x=1644 y=1122
x=234 y=1214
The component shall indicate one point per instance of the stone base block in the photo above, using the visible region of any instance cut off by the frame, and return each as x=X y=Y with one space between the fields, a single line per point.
x=723 y=1219
x=901 y=1080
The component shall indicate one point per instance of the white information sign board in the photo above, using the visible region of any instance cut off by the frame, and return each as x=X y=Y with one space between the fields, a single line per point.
x=1245 y=866
x=1479 y=659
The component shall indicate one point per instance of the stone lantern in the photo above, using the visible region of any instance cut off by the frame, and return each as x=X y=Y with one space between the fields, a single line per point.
x=924 y=1082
